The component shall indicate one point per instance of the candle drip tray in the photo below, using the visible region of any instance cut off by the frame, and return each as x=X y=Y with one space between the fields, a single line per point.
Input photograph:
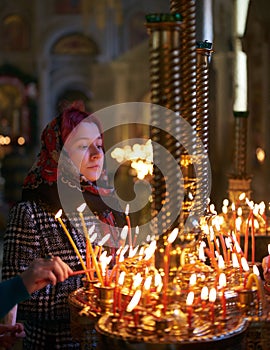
x=125 y=334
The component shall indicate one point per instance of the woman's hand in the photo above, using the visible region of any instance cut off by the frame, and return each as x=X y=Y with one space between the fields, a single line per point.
x=9 y=334
x=266 y=268
x=45 y=271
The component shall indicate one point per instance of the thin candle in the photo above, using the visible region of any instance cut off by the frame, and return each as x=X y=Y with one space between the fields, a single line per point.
x=128 y=224
x=58 y=217
x=171 y=238
x=212 y=299
x=189 y=302
x=80 y=209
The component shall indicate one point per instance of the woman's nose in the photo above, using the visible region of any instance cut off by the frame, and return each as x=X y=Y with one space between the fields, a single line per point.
x=94 y=151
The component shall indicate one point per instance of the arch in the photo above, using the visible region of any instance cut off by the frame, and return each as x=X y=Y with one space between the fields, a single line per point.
x=75 y=43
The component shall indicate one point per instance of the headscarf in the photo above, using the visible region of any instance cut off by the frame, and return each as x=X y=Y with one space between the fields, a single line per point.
x=41 y=182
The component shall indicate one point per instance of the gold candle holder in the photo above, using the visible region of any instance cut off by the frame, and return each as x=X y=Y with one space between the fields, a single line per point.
x=105 y=296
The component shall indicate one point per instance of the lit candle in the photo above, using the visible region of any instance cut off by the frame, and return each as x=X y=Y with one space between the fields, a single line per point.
x=212 y=299
x=245 y=267
x=222 y=284
x=136 y=235
x=58 y=217
x=129 y=225
x=80 y=209
x=171 y=238
x=192 y=281
x=189 y=302
x=123 y=236
x=134 y=300
x=204 y=296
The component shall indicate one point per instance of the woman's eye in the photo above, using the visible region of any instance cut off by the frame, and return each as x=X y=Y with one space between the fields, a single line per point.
x=83 y=147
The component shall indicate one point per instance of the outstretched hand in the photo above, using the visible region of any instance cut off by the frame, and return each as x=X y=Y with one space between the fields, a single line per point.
x=45 y=271
x=9 y=334
x=266 y=268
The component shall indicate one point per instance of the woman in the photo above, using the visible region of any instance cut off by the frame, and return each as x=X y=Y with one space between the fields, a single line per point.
x=76 y=139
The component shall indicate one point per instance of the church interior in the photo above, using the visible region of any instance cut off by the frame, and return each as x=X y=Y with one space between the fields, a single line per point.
x=106 y=53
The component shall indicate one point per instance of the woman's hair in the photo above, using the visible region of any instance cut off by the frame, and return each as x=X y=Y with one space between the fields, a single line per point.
x=73 y=115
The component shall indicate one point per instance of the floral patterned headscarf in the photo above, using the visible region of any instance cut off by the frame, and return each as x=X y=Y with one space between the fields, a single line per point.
x=41 y=181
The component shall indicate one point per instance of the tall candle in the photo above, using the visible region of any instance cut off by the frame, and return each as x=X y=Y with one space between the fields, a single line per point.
x=129 y=225
x=171 y=238
x=212 y=299
x=99 y=276
x=58 y=217
x=222 y=284
x=189 y=302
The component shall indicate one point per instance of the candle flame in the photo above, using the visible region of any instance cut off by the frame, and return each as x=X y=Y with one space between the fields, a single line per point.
x=58 y=214
x=190 y=298
x=242 y=196
x=91 y=230
x=121 y=278
x=235 y=262
x=222 y=280
x=127 y=210
x=147 y=283
x=134 y=301
x=93 y=237
x=269 y=248
x=137 y=230
x=212 y=295
x=204 y=293
x=221 y=263
x=244 y=264
x=132 y=251
x=150 y=250
x=172 y=236
x=81 y=208
x=104 y=239
x=124 y=232
x=137 y=280
x=256 y=270
x=193 y=279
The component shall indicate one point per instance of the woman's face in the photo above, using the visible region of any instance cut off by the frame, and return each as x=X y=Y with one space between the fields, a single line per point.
x=85 y=148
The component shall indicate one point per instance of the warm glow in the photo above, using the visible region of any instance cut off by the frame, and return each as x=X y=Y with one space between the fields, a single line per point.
x=150 y=250
x=204 y=293
x=193 y=280
x=147 y=283
x=134 y=301
x=256 y=270
x=21 y=140
x=173 y=235
x=137 y=280
x=58 y=214
x=121 y=278
x=190 y=298
x=244 y=264
x=235 y=262
x=221 y=263
x=222 y=280
x=124 y=232
x=212 y=295
x=140 y=156
x=260 y=154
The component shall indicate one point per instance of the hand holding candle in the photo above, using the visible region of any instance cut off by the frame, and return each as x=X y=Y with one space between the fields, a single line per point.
x=58 y=217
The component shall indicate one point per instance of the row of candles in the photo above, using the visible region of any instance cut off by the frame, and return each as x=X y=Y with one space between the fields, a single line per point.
x=244 y=219
x=136 y=291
